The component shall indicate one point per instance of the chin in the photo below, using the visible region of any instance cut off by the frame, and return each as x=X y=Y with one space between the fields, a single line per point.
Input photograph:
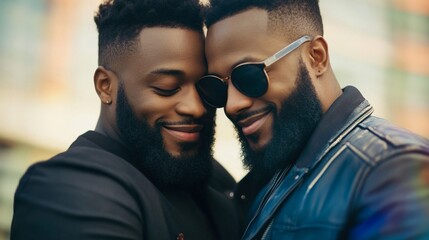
x=257 y=146
x=185 y=154
x=184 y=150
x=258 y=143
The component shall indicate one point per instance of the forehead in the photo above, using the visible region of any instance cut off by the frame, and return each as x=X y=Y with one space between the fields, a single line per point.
x=166 y=48
x=244 y=35
x=164 y=42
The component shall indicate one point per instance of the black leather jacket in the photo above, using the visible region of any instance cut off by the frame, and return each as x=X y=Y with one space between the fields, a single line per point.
x=359 y=177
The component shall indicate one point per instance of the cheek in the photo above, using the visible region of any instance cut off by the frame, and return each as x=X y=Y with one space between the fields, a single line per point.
x=281 y=85
x=150 y=107
x=153 y=111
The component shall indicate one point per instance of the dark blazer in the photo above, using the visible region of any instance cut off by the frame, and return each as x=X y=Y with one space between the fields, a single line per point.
x=90 y=193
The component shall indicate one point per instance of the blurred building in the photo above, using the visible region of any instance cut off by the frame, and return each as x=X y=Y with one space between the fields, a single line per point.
x=49 y=52
x=382 y=47
x=48 y=55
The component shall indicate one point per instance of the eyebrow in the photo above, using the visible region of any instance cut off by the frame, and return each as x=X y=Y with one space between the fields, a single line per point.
x=246 y=59
x=169 y=72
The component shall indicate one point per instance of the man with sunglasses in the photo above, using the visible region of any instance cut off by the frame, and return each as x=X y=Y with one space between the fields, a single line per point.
x=321 y=166
x=147 y=171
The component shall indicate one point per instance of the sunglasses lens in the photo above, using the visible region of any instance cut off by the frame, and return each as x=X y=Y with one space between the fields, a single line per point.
x=213 y=91
x=250 y=79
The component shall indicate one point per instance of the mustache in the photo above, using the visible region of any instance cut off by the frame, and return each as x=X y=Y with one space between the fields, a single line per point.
x=187 y=121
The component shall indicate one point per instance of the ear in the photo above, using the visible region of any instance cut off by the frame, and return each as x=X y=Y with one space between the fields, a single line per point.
x=103 y=79
x=319 y=55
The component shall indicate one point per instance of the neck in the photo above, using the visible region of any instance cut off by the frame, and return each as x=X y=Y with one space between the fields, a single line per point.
x=329 y=90
x=107 y=128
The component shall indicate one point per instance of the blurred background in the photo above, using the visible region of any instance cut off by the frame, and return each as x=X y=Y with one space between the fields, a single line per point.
x=48 y=53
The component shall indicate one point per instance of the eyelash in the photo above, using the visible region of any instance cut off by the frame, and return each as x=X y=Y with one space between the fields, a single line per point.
x=166 y=92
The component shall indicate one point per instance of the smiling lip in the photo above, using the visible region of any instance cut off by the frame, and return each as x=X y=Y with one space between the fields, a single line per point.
x=184 y=133
x=251 y=124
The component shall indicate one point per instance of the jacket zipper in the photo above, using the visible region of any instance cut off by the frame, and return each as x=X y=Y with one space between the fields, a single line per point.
x=264 y=236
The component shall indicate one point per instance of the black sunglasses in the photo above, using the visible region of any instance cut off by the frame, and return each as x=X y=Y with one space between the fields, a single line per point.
x=249 y=78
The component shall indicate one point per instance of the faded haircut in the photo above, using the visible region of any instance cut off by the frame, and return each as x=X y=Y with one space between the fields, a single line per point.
x=119 y=23
x=292 y=18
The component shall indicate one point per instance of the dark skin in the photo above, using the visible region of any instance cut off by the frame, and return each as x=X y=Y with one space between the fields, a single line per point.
x=159 y=82
x=246 y=37
x=163 y=121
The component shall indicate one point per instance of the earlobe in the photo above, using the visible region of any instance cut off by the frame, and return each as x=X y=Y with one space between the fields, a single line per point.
x=319 y=55
x=103 y=84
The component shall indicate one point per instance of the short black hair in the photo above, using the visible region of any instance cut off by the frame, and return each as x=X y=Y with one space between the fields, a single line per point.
x=119 y=22
x=295 y=17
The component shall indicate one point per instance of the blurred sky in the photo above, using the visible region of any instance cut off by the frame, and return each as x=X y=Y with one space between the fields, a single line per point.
x=49 y=53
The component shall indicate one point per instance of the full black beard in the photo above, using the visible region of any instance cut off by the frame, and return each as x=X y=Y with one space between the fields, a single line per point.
x=147 y=149
x=292 y=128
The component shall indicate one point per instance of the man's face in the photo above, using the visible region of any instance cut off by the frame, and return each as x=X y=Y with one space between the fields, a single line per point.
x=277 y=124
x=159 y=113
x=159 y=82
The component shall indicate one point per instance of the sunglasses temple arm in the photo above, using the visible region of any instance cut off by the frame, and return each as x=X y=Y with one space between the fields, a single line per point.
x=285 y=51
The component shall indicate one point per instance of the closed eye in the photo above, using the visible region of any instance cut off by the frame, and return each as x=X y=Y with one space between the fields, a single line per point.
x=166 y=92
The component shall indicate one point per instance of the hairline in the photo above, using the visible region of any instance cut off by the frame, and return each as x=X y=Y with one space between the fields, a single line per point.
x=275 y=26
x=132 y=45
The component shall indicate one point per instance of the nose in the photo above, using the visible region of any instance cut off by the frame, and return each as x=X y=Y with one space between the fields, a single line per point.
x=191 y=103
x=236 y=102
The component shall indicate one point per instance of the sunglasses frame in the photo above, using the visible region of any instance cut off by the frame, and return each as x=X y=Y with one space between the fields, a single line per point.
x=264 y=64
